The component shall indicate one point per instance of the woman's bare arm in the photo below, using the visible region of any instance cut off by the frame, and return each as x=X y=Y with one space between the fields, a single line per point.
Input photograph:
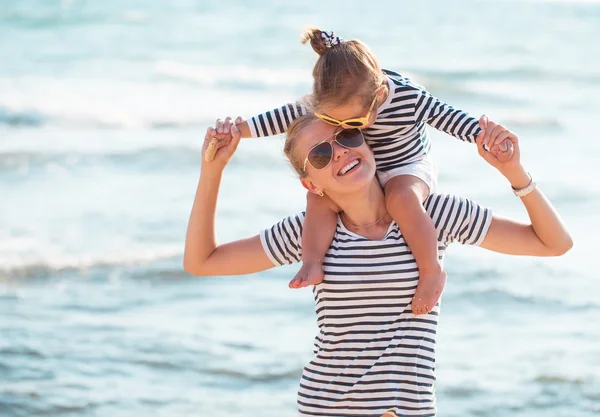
x=203 y=256
x=546 y=234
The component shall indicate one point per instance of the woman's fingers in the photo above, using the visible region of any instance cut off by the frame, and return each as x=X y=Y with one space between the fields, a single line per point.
x=496 y=144
x=224 y=126
x=480 y=137
x=219 y=126
x=210 y=133
x=235 y=139
x=236 y=135
x=227 y=125
x=483 y=121
x=483 y=125
x=210 y=150
x=221 y=142
x=492 y=132
x=503 y=151
x=499 y=138
x=488 y=156
x=480 y=147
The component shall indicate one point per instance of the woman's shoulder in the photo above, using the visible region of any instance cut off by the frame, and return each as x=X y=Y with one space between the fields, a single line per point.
x=435 y=199
x=457 y=218
x=444 y=204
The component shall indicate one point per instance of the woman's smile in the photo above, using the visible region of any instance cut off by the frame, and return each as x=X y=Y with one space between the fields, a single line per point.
x=349 y=166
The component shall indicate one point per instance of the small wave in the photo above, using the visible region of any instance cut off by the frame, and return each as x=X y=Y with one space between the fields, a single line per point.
x=462 y=392
x=72 y=409
x=559 y=379
x=509 y=74
x=101 y=309
x=21 y=351
x=10 y=297
x=500 y=297
x=163 y=365
x=263 y=377
x=21 y=118
x=241 y=346
x=154 y=402
x=154 y=158
x=82 y=264
x=162 y=275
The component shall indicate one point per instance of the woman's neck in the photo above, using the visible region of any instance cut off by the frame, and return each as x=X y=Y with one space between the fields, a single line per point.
x=365 y=212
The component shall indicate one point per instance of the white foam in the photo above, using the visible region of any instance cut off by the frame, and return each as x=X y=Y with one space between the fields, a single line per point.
x=29 y=255
x=117 y=103
x=216 y=75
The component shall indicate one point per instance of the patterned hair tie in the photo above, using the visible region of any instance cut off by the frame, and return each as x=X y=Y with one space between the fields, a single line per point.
x=331 y=39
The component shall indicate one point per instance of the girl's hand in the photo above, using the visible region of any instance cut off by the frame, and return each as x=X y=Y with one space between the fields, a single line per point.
x=226 y=143
x=493 y=133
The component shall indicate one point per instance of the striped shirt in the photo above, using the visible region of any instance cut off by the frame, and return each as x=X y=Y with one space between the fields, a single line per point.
x=371 y=354
x=399 y=136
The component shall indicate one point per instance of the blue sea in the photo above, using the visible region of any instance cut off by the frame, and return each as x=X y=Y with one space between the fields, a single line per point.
x=103 y=109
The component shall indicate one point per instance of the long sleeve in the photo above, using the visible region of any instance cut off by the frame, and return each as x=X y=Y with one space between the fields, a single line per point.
x=276 y=121
x=444 y=117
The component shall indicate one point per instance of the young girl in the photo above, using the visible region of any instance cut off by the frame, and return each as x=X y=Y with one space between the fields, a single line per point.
x=352 y=91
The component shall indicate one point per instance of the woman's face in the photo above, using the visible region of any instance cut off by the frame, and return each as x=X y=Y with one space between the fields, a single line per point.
x=336 y=178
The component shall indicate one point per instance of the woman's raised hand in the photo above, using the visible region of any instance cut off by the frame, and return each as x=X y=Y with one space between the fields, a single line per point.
x=220 y=143
x=492 y=135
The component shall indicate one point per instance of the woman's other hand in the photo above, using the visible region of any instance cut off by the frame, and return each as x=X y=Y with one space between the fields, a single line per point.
x=496 y=137
x=501 y=145
x=227 y=137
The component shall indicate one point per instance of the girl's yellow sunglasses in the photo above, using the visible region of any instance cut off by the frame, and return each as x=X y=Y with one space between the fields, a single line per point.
x=355 y=123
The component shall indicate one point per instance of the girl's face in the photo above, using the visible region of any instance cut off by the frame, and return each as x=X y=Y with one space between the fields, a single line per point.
x=350 y=169
x=352 y=109
x=353 y=113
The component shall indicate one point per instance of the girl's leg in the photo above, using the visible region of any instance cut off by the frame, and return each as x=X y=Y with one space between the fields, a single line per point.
x=404 y=197
x=317 y=235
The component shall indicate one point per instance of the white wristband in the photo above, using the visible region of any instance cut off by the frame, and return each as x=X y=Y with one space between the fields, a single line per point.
x=522 y=192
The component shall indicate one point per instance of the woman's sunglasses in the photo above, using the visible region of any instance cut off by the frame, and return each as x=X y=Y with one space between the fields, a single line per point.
x=358 y=122
x=320 y=155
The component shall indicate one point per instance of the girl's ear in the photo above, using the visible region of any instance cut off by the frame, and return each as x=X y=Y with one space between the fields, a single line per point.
x=382 y=92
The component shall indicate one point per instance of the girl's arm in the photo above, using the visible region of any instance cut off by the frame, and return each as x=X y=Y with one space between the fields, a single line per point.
x=546 y=234
x=441 y=115
x=203 y=256
x=455 y=122
x=270 y=123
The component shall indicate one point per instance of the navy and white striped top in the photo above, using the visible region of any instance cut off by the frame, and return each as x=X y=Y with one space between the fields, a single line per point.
x=372 y=354
x=399 y=136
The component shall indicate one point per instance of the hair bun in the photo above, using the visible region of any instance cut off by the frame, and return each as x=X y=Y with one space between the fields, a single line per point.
x=320 y=40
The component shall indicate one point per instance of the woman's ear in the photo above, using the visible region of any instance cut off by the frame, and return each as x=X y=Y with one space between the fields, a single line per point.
x=310 y=186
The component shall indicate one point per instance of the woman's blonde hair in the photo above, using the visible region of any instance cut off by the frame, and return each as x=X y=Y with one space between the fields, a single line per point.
x=294 y=131
x=343 y=70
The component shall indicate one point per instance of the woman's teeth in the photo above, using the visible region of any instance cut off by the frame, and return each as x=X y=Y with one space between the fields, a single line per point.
x=349 y=167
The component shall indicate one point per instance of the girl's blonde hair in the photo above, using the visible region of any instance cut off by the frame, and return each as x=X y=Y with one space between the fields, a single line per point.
x=342 y=71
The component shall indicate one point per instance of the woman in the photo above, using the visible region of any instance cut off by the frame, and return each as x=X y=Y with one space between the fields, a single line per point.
x=373 y=357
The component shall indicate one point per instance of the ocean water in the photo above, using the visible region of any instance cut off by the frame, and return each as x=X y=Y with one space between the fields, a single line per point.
x=103 y=107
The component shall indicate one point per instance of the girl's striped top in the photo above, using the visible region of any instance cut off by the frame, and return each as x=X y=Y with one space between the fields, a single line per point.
x=398 y=137
x=371 y=354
